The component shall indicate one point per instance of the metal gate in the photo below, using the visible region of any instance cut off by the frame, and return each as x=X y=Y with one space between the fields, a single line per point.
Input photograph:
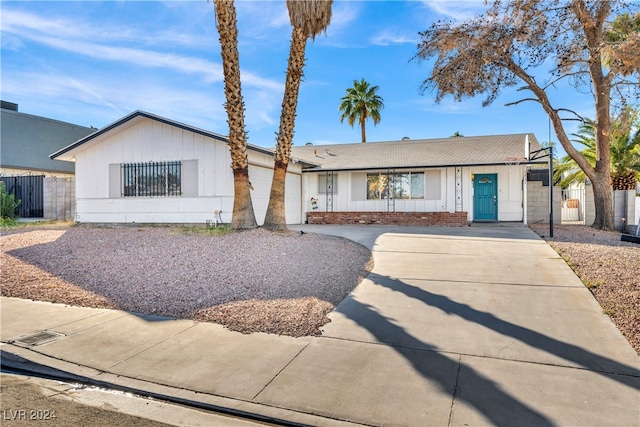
x=29 y=189
x=573 y=206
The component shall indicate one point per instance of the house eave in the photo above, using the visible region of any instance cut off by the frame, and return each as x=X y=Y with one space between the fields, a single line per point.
x=452 y=165
x=144 y=114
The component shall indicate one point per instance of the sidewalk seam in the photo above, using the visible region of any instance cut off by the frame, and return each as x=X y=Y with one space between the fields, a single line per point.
x=279 y=372
x=485 y=356
x=152 y=346
x=89 y=327
x=455 y=390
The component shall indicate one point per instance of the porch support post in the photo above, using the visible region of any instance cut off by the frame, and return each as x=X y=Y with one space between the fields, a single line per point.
x=458 y=189
x=525 y=195
x=550 y=191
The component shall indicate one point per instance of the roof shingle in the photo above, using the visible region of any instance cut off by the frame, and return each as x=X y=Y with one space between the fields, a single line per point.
x=464 y=151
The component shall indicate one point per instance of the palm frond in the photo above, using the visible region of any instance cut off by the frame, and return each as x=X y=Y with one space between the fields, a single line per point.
x=311 y=16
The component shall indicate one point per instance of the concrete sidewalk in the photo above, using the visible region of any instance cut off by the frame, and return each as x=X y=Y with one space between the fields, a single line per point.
x=455 y=326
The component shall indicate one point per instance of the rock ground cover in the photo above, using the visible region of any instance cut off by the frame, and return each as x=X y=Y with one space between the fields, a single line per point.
x=251 y=281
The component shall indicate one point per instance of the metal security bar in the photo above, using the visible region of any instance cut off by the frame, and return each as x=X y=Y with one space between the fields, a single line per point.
x=329 y=187
x=152 y=179
x=391 y=184
x=29 y=189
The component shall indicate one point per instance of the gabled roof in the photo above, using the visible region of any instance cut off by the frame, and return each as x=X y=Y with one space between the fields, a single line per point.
x=420 y=153
x=68 y=153
x=27 y=141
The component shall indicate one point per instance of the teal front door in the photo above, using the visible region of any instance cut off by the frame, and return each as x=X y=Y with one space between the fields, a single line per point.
x=485 y=197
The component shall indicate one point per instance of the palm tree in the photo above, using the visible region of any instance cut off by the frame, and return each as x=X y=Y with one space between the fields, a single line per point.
x=243 y=216
x=625 y=154
x=360 y=103
x=567 y=172
x=308 y=19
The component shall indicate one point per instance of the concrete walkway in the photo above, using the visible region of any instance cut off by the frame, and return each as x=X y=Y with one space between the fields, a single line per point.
x=454 y=326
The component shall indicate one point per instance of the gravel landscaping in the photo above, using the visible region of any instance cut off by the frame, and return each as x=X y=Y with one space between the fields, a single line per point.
x=609 y=267
x=251 y=281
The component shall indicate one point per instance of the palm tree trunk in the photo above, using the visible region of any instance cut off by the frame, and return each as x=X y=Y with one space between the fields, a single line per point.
x=362 y=128
x=243 y=216
x=275 y=218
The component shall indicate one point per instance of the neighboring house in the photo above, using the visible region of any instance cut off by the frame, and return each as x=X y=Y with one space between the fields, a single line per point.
x=28 y=140
x=148 y=169
x=449 y=181
x=44 y=186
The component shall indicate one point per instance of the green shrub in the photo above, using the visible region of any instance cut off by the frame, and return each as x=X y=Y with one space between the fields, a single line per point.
x=8 y=204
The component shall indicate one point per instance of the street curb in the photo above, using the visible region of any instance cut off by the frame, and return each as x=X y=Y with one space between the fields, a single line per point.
x=29 y=362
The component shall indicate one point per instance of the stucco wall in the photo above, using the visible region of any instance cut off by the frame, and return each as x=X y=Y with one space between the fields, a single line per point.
x=509 y=197
x=624 y=202
x=148 y=140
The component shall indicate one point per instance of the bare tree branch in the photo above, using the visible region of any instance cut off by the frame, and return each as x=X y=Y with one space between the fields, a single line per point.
x=509 y=104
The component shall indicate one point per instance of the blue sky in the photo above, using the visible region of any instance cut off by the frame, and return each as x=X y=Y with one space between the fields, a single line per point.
x=91 y=63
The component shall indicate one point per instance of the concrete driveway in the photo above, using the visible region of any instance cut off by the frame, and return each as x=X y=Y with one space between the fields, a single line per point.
x=498 y=329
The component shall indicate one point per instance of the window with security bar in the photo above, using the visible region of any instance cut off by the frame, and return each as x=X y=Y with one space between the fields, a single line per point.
x=152 y=179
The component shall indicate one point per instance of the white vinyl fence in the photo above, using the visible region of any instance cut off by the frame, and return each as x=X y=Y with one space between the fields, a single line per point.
x=573 y=206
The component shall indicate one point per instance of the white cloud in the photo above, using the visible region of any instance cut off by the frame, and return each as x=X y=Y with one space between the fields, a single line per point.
x=25 y=24
x=343 y=14
x=11 y=43
x=389 y=37
x=110 y=97
x=446 y=106
x=256 y=16
x=65 y=35
x=120 y=96
x=140 y=57
x=459 y=10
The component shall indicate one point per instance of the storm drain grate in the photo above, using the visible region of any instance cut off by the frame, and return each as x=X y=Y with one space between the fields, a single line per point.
x=37 y=338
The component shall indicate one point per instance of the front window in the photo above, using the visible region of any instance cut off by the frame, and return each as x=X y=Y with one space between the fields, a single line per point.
x=152 y=179
x=408 y=185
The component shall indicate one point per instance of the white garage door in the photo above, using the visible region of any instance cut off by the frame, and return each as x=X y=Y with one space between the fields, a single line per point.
x=293 y=195
x=261 y=180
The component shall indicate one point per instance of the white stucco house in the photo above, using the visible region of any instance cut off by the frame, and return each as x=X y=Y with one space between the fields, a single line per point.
x=448 y=181
x=145 y=168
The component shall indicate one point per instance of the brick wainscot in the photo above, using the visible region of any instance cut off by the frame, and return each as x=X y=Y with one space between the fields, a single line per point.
x=429 y=219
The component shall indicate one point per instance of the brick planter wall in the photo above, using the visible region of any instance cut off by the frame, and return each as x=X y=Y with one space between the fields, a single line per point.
x=429 y=219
